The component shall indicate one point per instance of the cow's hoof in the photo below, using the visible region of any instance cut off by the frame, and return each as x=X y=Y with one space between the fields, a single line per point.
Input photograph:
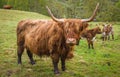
x=56 y=72
x=63 y=69
x=33 y=62
x=19 y=63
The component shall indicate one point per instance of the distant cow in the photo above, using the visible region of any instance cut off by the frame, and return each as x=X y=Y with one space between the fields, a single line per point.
x=107 y=31
x=7 y=7
x=54 y=38
x=90 y=35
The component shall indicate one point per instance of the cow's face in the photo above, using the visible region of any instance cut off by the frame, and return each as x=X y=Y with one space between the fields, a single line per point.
x=72 y=29
x=105 y=29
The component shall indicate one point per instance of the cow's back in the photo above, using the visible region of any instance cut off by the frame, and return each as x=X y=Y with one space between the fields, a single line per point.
x=44 y=38
x=86 y=33
x=24 y=27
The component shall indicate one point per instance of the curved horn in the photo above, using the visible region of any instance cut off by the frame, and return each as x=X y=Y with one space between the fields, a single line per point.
x=93 y=16
x=52 y=16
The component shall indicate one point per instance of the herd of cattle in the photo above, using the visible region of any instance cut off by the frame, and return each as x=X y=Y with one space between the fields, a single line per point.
x=90 y=34
x=56 y=38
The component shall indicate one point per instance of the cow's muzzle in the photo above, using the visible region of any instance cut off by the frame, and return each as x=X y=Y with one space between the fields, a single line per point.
x=71 y=41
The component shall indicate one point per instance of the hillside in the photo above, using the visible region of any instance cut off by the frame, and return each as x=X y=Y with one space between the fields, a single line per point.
x=103 y=61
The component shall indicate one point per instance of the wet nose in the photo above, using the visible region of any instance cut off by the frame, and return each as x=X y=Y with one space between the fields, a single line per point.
x=71 y=40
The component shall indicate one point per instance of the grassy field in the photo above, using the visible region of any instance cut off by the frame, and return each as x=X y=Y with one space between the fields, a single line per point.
x=103 y=61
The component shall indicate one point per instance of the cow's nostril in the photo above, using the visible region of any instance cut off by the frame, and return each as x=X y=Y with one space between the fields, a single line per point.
x=71 y=41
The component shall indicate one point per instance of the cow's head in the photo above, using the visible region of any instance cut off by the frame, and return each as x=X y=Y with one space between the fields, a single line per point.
x=105 y=28
x=98 y=29
x=73 y=27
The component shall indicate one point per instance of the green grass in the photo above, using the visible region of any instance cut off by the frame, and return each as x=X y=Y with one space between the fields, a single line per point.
x=103 y=61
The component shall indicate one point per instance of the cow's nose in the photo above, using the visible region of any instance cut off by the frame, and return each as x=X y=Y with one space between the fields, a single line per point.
x=71 y=41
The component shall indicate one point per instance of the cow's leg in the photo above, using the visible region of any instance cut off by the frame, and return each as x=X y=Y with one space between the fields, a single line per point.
x=63 y=58
x=30 y=55
x=105 y=38
x=102 y=38
x=92 y=45
x=55 y=60
x=112 y=36
x=109 y=37
x=88 y=41
x=20 y=50
x=89 y=45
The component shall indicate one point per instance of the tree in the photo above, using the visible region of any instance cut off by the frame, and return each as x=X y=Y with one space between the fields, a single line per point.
x=108 y=10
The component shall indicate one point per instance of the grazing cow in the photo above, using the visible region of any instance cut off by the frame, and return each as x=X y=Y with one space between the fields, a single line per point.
x=7 y=7
x=107 y=31
x=54 y=38
x=90 y=35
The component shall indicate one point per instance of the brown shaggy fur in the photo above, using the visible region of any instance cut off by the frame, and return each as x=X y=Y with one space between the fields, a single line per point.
x=48 y=38
x=55 y=38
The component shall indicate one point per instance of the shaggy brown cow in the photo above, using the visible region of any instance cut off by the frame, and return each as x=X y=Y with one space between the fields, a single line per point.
x=107 y=31
x=7 y=7
x=90 y=35
x=54 y=38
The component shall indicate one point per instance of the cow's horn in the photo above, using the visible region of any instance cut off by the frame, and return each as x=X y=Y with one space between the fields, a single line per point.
x=93 y=16
x=52 y=16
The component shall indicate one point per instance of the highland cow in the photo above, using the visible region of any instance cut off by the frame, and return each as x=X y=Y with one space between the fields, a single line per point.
x=54 y=38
